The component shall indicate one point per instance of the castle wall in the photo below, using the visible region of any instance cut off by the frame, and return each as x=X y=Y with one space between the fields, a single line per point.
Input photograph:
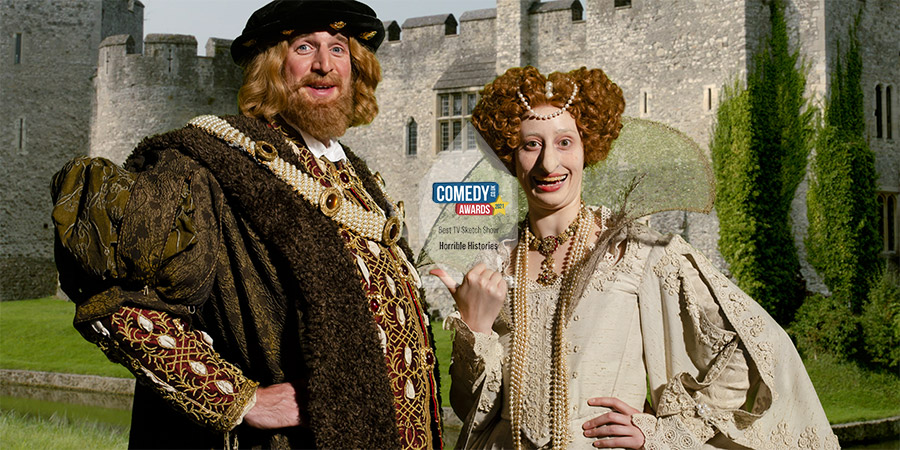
x=46 y=100
x=878 y=36
x=410 y=69
x=161 y=89
x=555 y=41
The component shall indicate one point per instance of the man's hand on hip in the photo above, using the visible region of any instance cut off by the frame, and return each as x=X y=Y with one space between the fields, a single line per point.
x=279 y=406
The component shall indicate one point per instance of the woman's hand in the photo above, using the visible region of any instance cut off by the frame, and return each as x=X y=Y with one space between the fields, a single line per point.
x=614 y=429
x=279 y=406
x=479 y=297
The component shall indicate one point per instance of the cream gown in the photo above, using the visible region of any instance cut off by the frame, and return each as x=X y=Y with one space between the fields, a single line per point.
x=663 y=315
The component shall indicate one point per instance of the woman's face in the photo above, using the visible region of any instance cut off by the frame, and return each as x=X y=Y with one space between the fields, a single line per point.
x=550 y=161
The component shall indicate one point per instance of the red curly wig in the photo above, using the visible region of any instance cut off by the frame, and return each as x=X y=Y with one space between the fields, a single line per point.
x=597 y=109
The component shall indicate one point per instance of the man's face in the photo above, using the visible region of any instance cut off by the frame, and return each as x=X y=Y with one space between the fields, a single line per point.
x=318 y=66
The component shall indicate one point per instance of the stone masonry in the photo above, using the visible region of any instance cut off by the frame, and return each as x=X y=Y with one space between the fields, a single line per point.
x=670 y=58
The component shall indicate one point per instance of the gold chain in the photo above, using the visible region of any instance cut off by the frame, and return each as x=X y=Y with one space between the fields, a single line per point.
x=546 y=246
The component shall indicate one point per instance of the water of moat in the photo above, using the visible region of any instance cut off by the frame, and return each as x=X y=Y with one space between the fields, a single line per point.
x=114 y=410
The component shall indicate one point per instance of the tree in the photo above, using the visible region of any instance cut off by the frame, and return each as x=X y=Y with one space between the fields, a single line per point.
x=843 y=241
x=760 y=145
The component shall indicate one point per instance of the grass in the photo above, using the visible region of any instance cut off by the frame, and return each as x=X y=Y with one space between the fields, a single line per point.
x=33 y=407
x=21 y=431
x=443 y=343
x=38 y=335
x=850 y=393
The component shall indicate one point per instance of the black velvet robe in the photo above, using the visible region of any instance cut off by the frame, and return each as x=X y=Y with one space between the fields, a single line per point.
x=211 y=236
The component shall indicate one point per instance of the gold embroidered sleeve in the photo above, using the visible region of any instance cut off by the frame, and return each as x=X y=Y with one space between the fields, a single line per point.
x=179 y=363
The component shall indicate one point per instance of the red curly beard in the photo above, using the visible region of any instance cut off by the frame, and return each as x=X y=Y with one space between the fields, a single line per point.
x=322 y=119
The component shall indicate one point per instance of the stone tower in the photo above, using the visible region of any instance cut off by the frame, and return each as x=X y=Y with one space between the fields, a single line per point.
x=142 y=94
x=49 y=54
x=512 y=33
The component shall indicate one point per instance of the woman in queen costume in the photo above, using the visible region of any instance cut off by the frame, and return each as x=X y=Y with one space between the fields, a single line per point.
x=597 y=331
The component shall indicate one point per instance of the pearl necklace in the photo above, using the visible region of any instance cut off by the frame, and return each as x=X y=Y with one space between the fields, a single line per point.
x=371 y=224
x=559 y=385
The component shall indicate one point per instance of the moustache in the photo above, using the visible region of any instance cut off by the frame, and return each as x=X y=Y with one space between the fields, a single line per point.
x=314 y=79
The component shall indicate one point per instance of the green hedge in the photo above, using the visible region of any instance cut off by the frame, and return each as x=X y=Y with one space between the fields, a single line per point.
x=881 y=322
x=843 y=241
x=760 y=144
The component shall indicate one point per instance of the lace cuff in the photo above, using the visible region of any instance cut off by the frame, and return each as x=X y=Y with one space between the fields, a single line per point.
x=672 y=432
x=178 y=363
x=477 y=354
x=483 y=346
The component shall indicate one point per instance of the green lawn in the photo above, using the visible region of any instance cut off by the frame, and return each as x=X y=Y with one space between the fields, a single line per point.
x=849 y=393
x=443 y=343
x=38 y=335
x=19 y=431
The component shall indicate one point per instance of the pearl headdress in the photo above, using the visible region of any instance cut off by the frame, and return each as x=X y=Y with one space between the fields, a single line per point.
x=549 y=94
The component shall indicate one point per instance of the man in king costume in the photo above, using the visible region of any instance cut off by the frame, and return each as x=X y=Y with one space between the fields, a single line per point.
x=248 y=269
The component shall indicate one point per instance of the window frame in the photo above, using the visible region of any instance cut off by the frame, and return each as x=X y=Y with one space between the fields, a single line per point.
x=411 y=134
x=889 y=222
x=468 y=140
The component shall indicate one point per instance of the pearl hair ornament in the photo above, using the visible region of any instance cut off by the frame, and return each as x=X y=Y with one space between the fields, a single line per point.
x=548 y=92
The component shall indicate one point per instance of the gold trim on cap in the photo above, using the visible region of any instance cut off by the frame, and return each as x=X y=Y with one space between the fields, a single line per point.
x=250 y=43
x=368 y=35
x=338 y=25
x=287 y=32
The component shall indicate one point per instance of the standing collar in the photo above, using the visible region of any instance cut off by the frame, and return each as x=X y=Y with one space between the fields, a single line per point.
x=333 y=150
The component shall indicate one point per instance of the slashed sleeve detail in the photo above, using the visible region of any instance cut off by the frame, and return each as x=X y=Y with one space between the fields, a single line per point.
x=475 y=369
x=177 y=362
x=137 y=253
x=136 y=238
x=712 y=364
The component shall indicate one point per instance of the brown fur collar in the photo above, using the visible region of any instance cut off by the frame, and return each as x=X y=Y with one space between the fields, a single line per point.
x=350 y=404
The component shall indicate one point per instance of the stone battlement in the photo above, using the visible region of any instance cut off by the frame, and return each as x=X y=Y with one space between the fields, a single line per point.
x=166 y=59
x=140 y=94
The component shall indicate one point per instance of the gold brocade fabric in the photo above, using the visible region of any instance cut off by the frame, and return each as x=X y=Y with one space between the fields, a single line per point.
x=391 y=284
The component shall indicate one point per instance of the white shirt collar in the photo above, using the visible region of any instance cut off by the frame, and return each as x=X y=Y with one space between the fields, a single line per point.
x=333 y=151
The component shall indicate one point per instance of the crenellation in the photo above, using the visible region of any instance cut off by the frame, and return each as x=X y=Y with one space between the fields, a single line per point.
x=169 y=83
x=117 y=86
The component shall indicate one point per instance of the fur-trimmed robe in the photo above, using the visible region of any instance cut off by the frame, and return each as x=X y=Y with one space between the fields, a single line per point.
x=269 y=279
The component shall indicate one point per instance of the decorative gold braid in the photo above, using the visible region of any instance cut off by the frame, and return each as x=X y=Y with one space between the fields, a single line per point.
x=559 y=383
x=178 y=363
x=371 y=223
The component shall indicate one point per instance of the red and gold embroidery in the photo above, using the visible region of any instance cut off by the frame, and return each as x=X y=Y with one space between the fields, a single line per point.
x=391 y=284
x=180 y=364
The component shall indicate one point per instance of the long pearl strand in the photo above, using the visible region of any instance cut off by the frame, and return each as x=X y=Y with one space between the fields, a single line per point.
x=559 y=383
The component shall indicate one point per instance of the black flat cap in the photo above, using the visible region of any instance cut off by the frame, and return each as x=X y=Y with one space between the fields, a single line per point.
x=282 y=18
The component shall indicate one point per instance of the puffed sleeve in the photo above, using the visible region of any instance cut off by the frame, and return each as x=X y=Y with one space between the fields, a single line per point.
x=136 y=252
x=721 y=370
x=135 y=238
